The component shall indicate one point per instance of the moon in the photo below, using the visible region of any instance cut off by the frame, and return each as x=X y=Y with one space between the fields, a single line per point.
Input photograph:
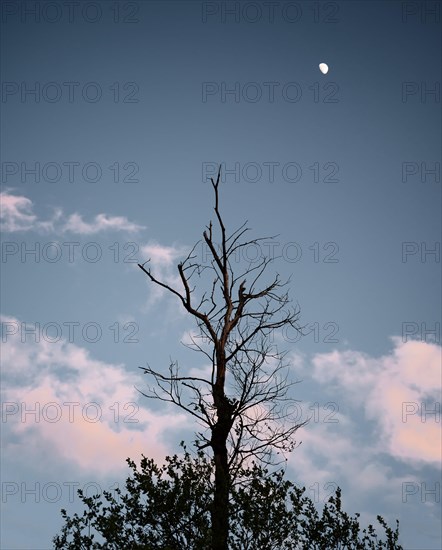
x=323 y=67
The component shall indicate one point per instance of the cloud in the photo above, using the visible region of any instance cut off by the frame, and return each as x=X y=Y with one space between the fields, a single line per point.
x=88 y=412
x=162 y=256
x=397 y=392
x=162 y=261
x=381 y=436
x=370 y=451
x=17 y=215
x=102 y=222
x=385 y=449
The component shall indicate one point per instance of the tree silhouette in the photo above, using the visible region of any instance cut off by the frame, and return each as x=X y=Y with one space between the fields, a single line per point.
x=244 y=406
x=226 y=498
x=168 y=508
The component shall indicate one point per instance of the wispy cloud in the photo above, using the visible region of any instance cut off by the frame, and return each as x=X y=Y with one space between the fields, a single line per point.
x=162 y=256
x=102 y=222
x=17 y=215
x=162 y=261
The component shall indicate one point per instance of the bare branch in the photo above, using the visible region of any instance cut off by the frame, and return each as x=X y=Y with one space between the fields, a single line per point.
x=245 y=408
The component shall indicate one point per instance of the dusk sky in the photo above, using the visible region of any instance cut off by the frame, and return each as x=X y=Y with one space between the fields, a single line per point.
x=115 y=115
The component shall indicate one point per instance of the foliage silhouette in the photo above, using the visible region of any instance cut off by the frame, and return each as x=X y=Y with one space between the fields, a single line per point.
x=168 y=507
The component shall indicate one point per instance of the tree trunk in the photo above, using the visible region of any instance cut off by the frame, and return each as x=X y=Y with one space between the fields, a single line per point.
x=220 y=510
x=220 y=433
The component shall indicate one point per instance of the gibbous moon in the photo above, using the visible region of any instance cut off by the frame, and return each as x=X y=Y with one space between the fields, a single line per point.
x=323 y=67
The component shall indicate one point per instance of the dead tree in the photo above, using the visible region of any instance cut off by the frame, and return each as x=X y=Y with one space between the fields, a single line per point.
x=245 y=406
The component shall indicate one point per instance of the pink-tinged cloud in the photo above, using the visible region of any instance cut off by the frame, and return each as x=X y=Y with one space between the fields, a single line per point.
x=400 y=392
x=16 y=213
x=88 y=412
x=355 y=452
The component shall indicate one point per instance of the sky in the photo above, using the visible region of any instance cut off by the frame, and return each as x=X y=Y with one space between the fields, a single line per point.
x=115 y=115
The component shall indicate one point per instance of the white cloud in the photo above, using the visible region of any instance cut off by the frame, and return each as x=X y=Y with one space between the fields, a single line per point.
x=162 y=256
x=102 y=222
x=162 y=261
x=17 y=215
x=96 y=431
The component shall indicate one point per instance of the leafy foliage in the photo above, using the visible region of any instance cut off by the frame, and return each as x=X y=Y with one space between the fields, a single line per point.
x=168 y=507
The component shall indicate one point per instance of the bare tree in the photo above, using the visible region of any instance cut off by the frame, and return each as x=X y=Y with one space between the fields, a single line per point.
x=244 y=406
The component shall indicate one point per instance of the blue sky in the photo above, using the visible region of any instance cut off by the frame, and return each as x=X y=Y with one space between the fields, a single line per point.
x=114 y=116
